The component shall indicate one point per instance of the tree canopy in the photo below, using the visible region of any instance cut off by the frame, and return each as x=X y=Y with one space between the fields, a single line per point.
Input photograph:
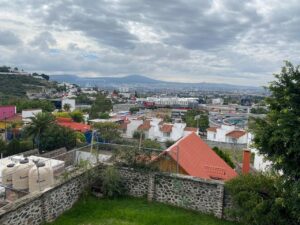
x=278 y=135
x=101 y=105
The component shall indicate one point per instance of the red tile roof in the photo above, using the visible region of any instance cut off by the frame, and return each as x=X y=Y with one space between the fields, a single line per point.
x=193 y=129
x=212 y=129
x=166 y=128
x=67 y=122
x=236 y=133
x=198 y=159
x=145 y=126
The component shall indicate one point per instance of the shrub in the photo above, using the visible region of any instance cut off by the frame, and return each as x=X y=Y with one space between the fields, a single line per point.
x=257 y=200
x=169 y=143
x=151 y=144
x=137 y=134
x=112 y=185
x=224 y=156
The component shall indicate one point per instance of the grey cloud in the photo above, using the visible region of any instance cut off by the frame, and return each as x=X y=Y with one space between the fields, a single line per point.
x=221 y=40
x=43 y=41
x=8 y=38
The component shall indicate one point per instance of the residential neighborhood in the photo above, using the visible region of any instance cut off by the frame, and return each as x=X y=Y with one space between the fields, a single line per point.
x=149 y=112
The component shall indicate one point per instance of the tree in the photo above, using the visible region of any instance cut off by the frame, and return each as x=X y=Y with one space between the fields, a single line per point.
x=203 y=122
x=56 y=136
x=77 y=116
x=259 y=110
x=2 y=146
x=134 y=110
x=108 y=131
x=104 y=116
x=39 y=125
x=277 y=136
x=100 y=105
x=258 y=200
x=67 y=107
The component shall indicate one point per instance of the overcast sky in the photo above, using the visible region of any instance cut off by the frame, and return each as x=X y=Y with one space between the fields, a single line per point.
x=230 y=41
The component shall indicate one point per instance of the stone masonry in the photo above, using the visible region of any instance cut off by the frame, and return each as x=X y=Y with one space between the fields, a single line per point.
x=182 y=191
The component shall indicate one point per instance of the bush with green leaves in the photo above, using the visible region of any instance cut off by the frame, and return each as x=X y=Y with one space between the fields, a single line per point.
x=151 y=144
x=224 y=156
x=169 y=143
x=56 y=137
x=111 y=182
x=137 y=134
x=258 y=200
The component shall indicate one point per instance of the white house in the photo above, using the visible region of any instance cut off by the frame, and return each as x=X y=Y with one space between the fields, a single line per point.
x=260 y=161
x=156 y=129
x=228 y=134
x=28 y=114
x=70 y=102
x=217 y=101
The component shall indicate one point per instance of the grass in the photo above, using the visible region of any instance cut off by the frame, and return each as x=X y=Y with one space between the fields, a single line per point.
x=132 y=211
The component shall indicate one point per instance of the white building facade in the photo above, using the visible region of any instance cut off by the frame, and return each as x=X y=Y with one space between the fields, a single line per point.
x=28 y=114
x=227 y=134
x=260 y=161
x=155 y=129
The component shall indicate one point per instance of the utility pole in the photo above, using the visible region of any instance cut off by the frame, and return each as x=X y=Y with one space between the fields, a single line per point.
x=140 y=143
x=177 y=159
x=92 y=142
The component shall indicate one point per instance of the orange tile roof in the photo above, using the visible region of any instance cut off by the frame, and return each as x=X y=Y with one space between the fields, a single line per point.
x=67 y=122
x=212 y=129
x=193 y=129
x=145 y=126
x=166 y=128
x=198 y=159
x=236 y=133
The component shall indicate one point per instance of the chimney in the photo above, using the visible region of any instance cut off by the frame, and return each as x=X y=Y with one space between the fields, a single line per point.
x=246 y=161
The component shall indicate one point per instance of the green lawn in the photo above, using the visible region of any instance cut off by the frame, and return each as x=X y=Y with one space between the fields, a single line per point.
x=132 y=211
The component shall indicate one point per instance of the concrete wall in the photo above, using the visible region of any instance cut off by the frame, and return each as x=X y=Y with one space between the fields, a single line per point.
x=225 y=145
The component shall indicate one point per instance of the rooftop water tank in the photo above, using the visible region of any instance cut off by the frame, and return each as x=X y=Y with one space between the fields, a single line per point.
x=20 y=177
x=7 y=173
x=40 y=177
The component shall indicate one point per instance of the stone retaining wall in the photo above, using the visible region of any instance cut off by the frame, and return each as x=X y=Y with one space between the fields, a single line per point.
x=183 y=191
x=38 y=208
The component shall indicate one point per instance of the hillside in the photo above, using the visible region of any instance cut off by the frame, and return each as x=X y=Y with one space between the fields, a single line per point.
x=17 y=85
x=139 y=81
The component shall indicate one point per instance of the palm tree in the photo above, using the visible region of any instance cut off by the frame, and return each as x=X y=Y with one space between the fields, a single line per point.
x=38 y=125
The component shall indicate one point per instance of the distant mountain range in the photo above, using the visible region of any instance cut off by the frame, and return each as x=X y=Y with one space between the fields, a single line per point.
x=139 y=81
